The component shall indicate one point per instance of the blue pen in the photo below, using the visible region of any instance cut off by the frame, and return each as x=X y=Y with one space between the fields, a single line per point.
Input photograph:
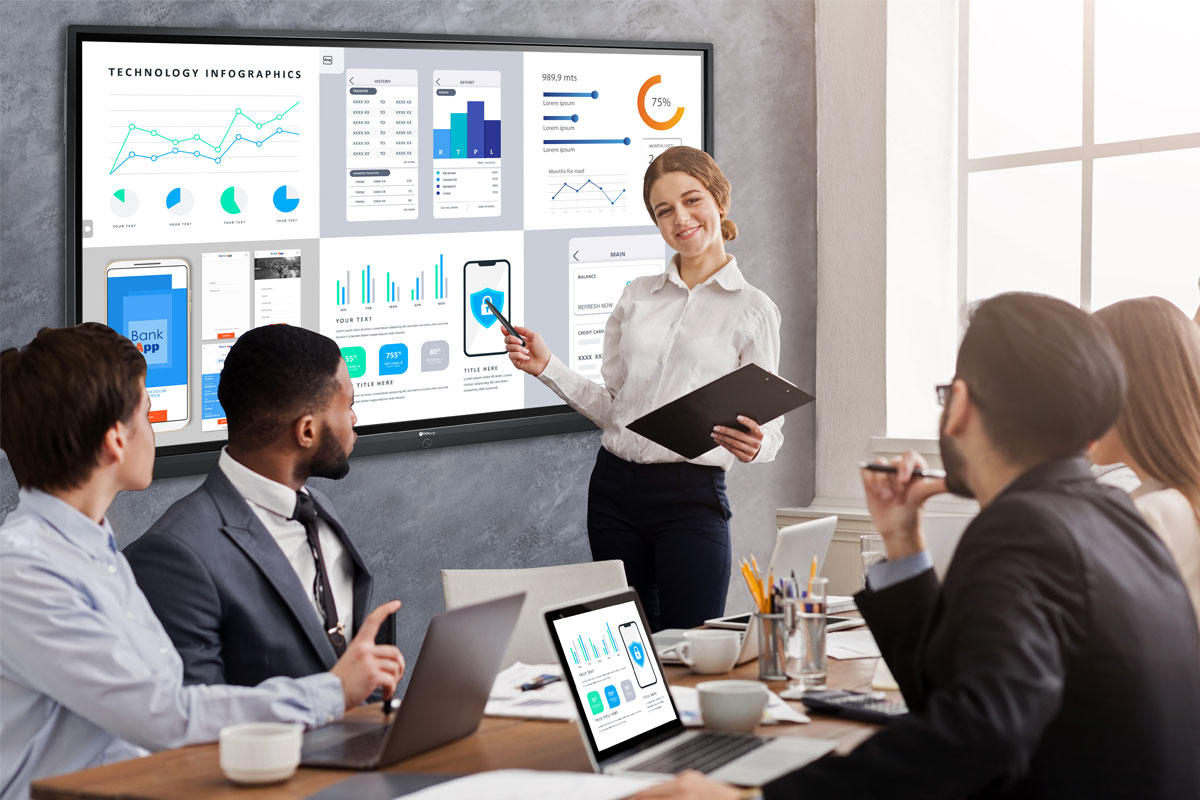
x=539 y=682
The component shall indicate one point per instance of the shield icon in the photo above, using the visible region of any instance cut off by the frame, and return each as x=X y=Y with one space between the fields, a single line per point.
x=483 y=314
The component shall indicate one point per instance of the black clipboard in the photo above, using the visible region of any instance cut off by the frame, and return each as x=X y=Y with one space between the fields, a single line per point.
x=685 y=425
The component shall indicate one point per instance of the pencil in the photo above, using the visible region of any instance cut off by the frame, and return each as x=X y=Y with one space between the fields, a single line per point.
x=812 y=573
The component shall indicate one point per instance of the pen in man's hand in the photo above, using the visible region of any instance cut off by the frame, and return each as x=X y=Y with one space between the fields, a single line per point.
x=893 y=469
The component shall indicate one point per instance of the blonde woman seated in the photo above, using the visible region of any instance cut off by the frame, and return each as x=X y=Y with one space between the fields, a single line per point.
x=1158 y=431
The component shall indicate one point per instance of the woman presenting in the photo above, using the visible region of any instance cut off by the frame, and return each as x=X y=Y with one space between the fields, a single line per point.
x=666 y=518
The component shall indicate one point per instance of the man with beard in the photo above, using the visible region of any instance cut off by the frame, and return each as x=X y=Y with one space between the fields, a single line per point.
x=253 y=575
x=1058 y=658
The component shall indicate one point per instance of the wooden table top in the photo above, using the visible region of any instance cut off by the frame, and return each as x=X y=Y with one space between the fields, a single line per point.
x=499 y=743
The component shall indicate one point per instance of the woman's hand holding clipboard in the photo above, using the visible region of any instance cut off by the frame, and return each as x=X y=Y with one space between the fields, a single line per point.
x=686 y=425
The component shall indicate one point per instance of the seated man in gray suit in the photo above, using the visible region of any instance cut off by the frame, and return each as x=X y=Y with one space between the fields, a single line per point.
x=252 y=574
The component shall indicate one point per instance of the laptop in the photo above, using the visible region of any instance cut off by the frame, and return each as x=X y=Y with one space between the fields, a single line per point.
x=795 y=547
x=449 y=688
x=627 y=717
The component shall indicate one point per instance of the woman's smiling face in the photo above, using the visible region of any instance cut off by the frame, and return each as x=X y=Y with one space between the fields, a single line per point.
x=686 y=213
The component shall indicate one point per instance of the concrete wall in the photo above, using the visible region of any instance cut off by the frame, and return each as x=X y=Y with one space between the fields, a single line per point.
x=413 y=514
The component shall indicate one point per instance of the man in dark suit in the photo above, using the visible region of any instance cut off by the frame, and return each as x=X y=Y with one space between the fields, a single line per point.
x=253 y=575
x=1059 y=657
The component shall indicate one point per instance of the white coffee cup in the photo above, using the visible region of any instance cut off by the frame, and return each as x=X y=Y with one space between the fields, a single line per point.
x=260 y=752
x=708 y=651
x=732 y=705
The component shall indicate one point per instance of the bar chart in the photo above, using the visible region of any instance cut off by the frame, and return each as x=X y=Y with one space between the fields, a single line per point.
x=467 y=143
x=470 y=135
x=441 y=284
x=585 y=651
x=423 y=284
x=366 y=285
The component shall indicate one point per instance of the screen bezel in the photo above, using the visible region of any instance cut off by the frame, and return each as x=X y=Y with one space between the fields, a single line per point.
x=654 y=735
x=184 y=459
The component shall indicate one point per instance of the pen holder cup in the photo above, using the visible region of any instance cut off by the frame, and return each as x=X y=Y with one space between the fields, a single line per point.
x=772 y=646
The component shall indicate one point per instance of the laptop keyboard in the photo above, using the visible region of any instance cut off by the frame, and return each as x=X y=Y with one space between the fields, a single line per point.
x=706 y=752
x=359 y=747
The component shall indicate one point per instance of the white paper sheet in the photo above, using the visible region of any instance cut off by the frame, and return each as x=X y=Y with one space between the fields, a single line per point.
x=687 y=702
x=883 y=679
x=552 y=701
x=521 y=784
x=857 y=643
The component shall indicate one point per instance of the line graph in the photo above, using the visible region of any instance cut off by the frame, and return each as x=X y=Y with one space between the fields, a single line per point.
x=586 y=193
x=192 y=141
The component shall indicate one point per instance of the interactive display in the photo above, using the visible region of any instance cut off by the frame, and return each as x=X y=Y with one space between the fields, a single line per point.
x=378 y=191
x=612 y=668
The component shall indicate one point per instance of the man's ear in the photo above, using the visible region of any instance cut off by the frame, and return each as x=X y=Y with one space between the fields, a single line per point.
x=305 y=431
x=112 y=446
x=960 y=409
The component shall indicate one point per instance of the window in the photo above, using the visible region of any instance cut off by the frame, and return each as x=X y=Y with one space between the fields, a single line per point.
x=1076 y=133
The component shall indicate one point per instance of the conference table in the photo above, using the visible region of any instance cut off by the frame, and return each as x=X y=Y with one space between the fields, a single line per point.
x=499 y=743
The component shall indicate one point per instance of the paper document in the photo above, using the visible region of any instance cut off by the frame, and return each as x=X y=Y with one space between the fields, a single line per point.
x=552 y=701
x=839 y=604
x=523 y=784
x=858 y=643
x=687 y=702
x=883 y=678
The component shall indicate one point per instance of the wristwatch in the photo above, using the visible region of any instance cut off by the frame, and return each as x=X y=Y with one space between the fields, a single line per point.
x=754 y=793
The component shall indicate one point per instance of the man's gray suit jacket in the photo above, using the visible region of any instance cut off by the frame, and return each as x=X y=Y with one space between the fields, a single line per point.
x=228 y=597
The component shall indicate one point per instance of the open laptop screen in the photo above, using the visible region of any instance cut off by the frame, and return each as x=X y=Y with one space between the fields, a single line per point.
x=613 y=672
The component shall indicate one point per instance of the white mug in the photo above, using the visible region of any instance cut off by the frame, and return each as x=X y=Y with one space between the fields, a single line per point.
x=710 y=652
x=732 y=705
x=260 y=752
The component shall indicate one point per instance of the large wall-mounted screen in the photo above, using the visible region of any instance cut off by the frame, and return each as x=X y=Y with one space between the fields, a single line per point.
x=378 y=190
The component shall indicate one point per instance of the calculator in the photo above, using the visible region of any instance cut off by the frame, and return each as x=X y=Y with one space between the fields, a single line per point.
x=865 y=706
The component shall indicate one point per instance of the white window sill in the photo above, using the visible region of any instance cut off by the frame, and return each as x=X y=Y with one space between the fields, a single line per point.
x=889 y=444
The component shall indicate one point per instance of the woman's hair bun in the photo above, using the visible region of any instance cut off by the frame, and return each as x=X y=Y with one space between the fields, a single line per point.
x=728 y=229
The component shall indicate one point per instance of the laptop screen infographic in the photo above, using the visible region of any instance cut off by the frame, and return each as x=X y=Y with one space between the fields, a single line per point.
x=612 y=668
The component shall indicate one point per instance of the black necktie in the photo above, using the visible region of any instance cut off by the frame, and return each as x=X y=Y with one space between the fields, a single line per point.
x=306 y=514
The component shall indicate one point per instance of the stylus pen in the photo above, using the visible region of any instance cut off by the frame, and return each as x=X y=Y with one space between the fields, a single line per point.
x=539 y=682
x=507 y=325
x=893 y=469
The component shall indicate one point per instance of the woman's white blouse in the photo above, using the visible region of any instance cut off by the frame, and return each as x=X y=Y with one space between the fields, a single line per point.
x=663 y=341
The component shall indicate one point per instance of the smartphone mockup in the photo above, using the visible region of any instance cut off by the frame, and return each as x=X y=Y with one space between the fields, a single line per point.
x=485 y=281
x=148 y=303
x=639 y=658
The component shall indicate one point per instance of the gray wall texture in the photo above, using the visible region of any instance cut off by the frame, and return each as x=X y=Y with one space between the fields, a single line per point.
x=506 y=504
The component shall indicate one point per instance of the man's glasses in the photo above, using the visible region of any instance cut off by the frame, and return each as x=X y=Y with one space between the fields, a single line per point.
x=943 y=393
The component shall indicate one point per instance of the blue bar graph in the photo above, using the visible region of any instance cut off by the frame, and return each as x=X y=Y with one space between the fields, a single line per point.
x=441 y=143
x=475 y=145
x=470 y=135
x=458 y=135
x=491 y=137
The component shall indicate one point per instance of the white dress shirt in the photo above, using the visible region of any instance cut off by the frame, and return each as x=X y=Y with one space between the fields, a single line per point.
x=273 y=504
x=663 y=341
x=87 y=673
x=1172 y=517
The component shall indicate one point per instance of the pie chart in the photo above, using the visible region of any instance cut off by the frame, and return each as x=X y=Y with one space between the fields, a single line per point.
x=180 y=201
x=233 y=200
x=286 y=198
x=124 y=203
